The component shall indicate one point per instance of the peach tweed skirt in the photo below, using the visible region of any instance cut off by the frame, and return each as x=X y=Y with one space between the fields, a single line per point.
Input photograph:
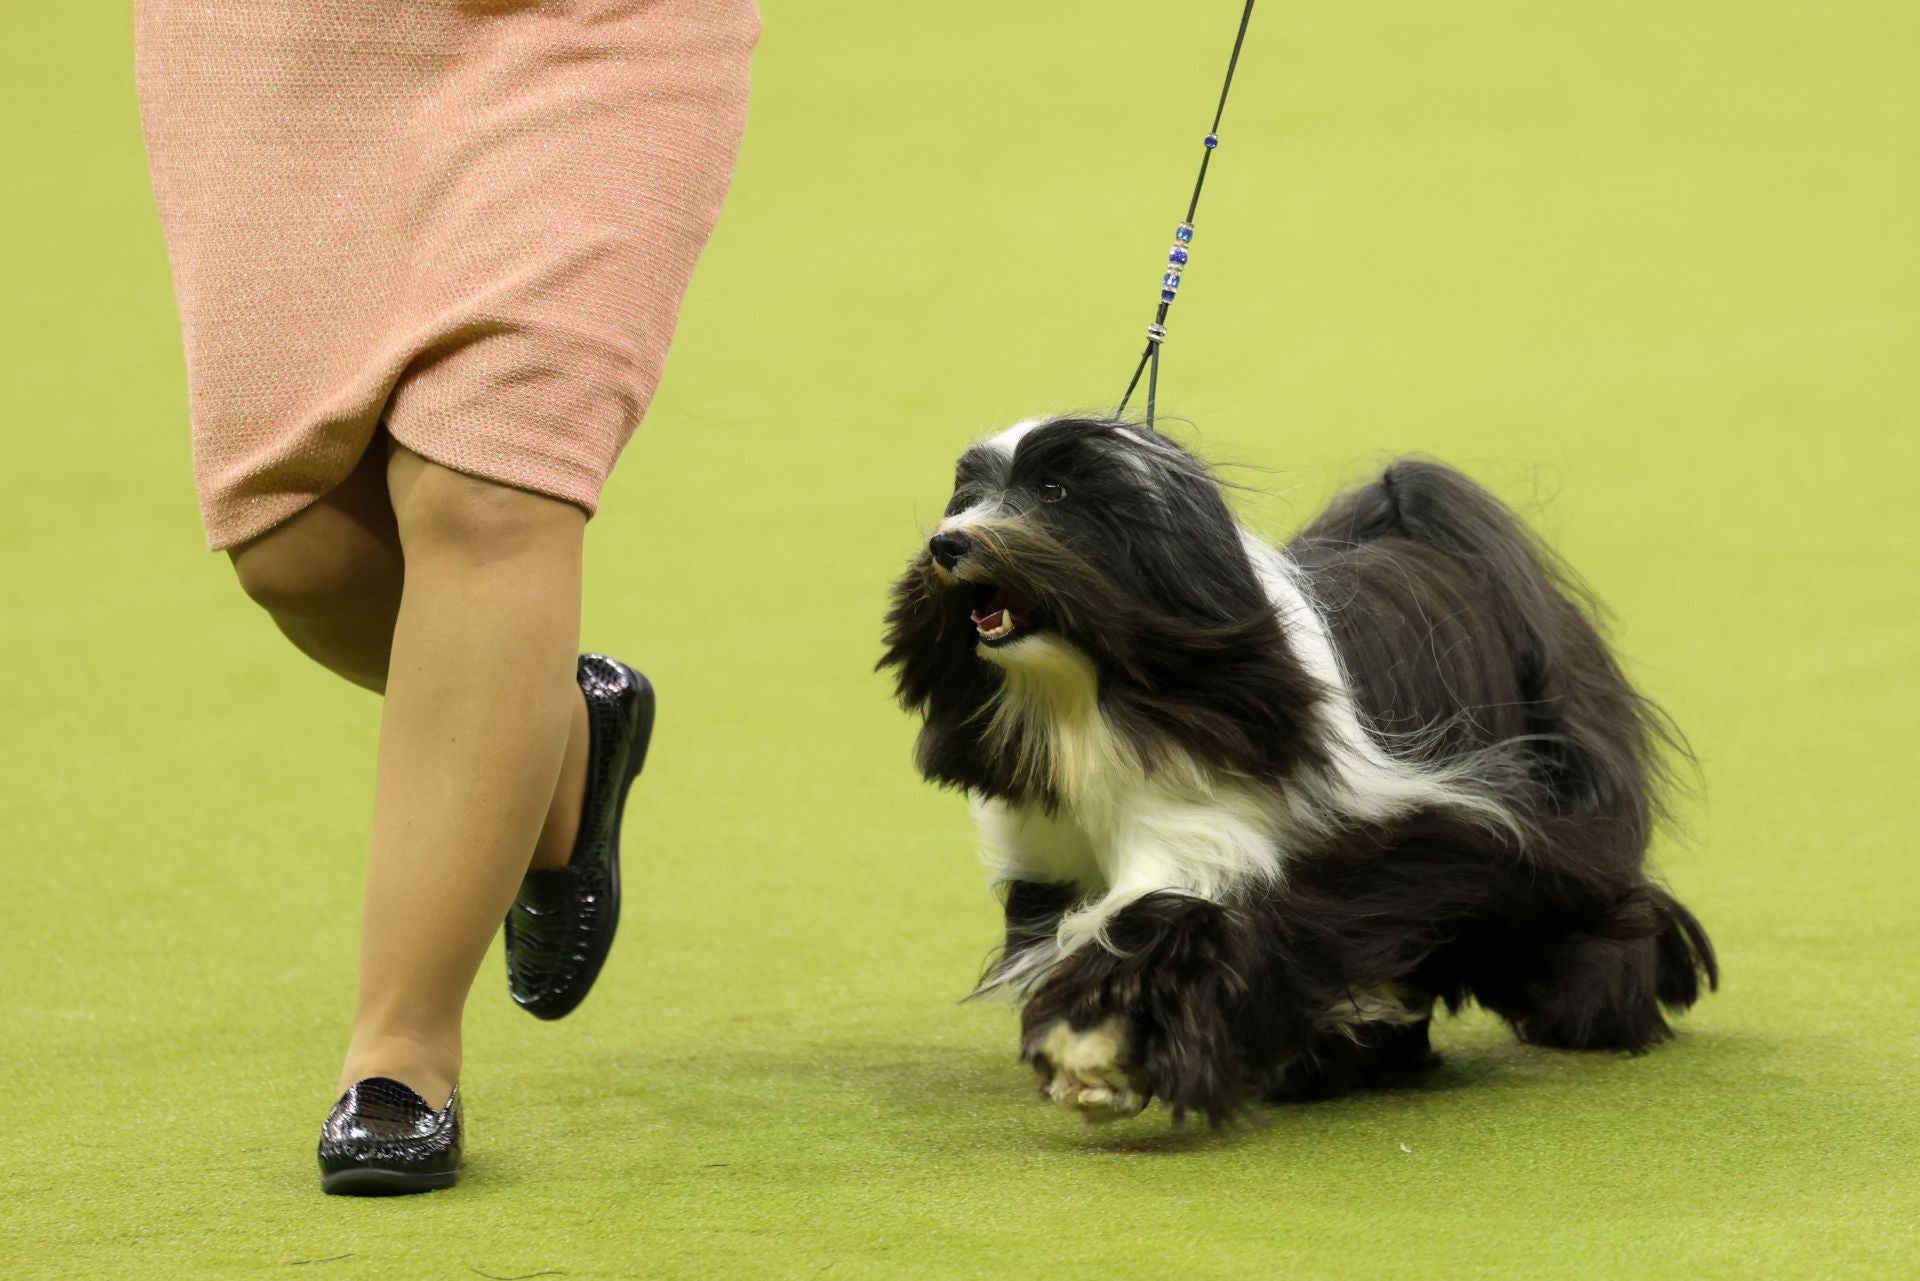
x=470 y=221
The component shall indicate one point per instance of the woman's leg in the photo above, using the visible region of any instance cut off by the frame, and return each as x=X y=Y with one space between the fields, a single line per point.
x=330 y=577
x=480 y=696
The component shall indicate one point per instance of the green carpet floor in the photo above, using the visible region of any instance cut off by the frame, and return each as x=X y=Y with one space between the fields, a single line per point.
x=1649 y=270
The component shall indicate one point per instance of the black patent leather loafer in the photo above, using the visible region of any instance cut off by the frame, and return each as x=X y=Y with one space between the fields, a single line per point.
x=561 y=924
x=382 y=1139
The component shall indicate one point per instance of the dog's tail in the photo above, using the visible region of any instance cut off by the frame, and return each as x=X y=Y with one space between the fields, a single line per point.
x=1602 y=749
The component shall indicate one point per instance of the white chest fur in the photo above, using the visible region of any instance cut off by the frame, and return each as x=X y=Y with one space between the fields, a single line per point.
x=1121 y=830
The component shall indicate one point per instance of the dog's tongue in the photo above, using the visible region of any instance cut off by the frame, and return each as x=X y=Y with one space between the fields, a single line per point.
x=989 y=618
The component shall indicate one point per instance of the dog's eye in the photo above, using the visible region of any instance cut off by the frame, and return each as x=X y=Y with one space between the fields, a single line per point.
x=1052 y=491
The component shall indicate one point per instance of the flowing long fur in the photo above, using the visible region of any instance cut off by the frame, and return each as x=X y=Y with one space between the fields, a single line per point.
x=1255 y=810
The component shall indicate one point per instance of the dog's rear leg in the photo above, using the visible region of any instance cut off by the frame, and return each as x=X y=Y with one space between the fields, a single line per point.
x=1604 y=988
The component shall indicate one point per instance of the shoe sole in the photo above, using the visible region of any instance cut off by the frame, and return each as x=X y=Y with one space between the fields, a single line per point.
x=643 y=740
x=369 y=1180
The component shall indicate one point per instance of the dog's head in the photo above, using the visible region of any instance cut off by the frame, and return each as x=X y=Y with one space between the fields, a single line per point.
x=1079 y=553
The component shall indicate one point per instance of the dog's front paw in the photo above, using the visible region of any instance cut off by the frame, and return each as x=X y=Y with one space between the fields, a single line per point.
x=1088 y=1072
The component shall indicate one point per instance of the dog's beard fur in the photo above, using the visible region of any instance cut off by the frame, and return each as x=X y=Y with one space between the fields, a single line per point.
x=1264 y=808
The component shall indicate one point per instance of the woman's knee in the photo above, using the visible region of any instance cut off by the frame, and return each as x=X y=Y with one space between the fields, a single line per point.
x=313 y=566
x=442 y=511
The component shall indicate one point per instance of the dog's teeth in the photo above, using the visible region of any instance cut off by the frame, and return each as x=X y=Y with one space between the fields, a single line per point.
x=1003 y=627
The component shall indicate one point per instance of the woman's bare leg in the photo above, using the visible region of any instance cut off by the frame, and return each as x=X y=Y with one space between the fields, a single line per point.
x=331 y=577
x=554 y=848
x=480 y=696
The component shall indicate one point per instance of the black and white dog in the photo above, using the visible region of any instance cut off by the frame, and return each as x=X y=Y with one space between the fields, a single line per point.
x=1254 y=810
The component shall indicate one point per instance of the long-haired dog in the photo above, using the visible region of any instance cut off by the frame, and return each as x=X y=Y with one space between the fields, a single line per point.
x=1255 y=810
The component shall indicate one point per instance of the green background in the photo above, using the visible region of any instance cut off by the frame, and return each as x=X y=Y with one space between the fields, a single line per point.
x=1649 y=270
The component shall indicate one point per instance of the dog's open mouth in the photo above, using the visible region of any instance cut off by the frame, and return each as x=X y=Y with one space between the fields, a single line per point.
x=1001 y=616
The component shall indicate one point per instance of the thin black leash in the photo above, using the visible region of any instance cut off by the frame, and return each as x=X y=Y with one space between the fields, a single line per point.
x=1182 y=239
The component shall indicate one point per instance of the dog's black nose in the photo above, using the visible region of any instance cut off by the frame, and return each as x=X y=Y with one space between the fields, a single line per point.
x=949 y=546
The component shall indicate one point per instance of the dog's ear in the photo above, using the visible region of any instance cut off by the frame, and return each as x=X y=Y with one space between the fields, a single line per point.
x=910 y=615
x=929 y=642
x=930 y=648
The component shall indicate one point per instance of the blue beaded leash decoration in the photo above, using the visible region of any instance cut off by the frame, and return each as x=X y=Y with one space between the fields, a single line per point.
x=1182 y=239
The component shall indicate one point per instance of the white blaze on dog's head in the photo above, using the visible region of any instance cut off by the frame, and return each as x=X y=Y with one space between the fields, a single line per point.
x=1003 y=443
x=1008 y=440
x=999 y=616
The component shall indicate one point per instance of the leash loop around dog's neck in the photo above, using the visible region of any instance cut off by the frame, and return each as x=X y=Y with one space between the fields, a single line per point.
x=1182 y=239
